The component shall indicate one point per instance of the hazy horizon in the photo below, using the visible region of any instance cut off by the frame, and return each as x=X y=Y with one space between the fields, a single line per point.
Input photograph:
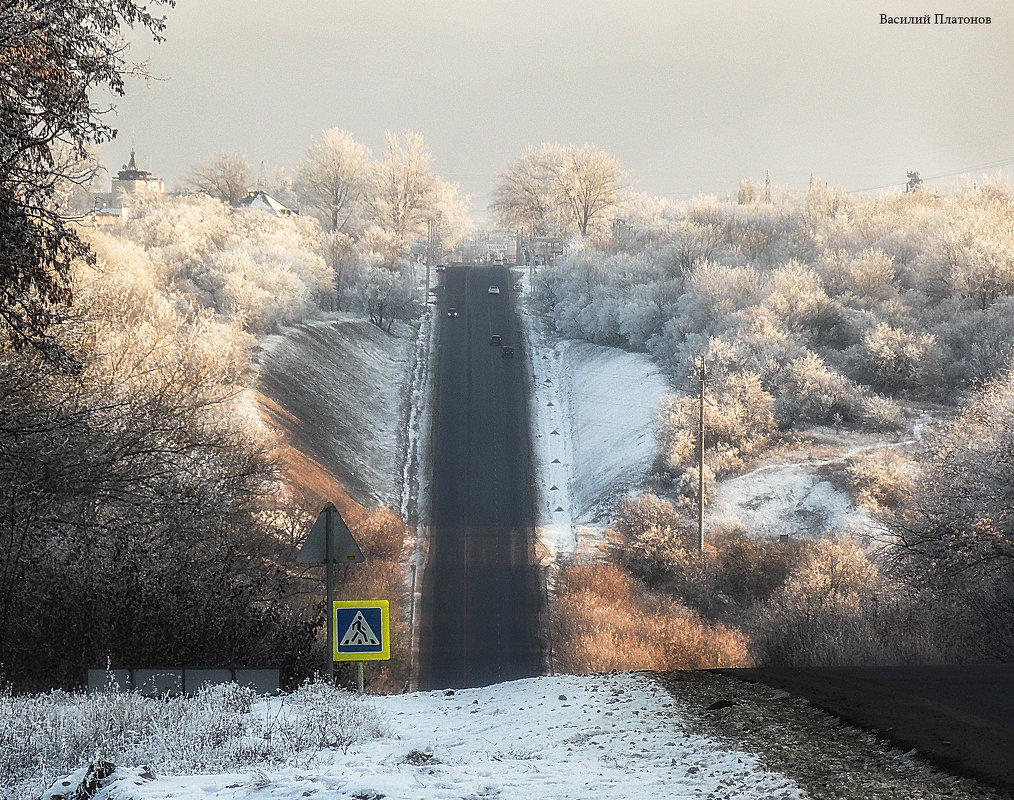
x=690 y=98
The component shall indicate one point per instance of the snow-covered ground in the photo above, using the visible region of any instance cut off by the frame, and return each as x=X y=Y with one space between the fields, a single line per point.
x=614 y=737
x=788 y=493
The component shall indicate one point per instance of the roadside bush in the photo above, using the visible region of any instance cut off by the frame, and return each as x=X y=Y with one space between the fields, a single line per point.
x=651 y=538
x=603 y=619
x=835 y=610
x=46 y=737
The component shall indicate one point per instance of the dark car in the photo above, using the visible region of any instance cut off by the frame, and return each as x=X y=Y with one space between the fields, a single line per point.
x=507 y=352
x=452 y=312
x=495 y=339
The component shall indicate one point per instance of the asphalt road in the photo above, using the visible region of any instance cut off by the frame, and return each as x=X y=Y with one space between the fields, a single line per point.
x=480 y=596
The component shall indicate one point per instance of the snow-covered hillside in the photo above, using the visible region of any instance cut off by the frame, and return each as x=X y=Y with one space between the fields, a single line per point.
x=342 y=385
x=594 y=436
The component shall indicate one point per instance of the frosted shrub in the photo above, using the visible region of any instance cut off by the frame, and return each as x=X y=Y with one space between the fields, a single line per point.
x=809 y=393
x=836 y=609
x=738 y=420
x=979 y=345
x=861 y=278
x=957 y=532
x=323 y=717
x=252 y=268
x=760 y=345
x=652 y=534
x=881 y=478
x=224 y=727
x=893 y=360
x=714 y=293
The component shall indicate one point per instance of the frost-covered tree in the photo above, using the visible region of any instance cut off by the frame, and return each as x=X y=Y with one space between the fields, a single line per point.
x=139 y=486
x=587 y=185
x=404 y=190
x=333 y=180
x=570 y=188
x=523 y=198
x=385 y=295
x=252 y=268
x=957 y=532
x=52 y=56
x=738 y=420
x=225 y=177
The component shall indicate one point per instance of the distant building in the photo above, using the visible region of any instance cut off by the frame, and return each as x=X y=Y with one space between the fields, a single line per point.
x=265 y=202
x=108 y=209
x=131 y=180
x=490 y=245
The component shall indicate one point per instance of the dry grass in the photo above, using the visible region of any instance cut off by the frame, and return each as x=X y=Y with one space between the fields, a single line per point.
x=379 y=532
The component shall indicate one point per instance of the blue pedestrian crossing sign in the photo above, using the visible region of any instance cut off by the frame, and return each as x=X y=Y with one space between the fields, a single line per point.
x=362 y=630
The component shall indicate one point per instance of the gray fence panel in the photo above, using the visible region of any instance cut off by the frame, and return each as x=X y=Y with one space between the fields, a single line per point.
x=262 y=681
x=174 y=682
x=194 y=679
x=159 y=682
x=100 y=680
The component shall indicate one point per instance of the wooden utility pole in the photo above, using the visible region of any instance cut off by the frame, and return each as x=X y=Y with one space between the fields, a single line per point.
x=700 y=466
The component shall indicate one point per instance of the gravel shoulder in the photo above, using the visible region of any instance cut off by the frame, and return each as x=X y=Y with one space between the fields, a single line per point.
x=794 y=728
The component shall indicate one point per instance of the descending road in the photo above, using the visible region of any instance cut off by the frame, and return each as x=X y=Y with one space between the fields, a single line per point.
x=480 y=598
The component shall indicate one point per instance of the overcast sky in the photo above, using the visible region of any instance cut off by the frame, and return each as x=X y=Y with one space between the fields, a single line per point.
x=689 y=95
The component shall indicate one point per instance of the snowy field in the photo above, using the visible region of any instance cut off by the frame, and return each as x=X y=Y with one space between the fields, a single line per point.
x=787 y=494
x=584 y=737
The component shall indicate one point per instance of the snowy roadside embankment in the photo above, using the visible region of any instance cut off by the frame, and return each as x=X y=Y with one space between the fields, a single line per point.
x=584 y=737
x=594 y=442
x=340 y=389
x=593 y=420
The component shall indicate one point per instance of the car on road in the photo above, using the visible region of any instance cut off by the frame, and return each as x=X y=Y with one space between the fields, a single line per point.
x=441 y=267
x=495 y=339
x=494 y=290
x=452 y=312
x=507 y=352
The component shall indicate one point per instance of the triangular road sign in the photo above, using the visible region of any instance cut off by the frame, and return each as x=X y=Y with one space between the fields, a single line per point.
x=359 y=633
x=343 y=548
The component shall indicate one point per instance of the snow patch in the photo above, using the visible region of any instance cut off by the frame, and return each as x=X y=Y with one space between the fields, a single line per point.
x=345 y=382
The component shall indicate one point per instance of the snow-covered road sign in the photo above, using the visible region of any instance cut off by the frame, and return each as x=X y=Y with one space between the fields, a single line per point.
x=362 y=630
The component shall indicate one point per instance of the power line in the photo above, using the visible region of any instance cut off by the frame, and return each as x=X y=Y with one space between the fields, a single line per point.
x=988 y=165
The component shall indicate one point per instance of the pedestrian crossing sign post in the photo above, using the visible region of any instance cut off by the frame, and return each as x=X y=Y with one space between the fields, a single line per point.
x=362 y=630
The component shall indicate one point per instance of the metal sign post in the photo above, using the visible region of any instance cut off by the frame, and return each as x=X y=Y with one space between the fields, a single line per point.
x=329 y=570
x=330 y=540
